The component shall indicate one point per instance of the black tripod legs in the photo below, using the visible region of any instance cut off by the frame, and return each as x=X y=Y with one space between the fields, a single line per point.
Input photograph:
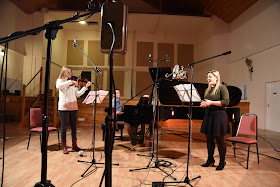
x=187 y=180
x=92 y=163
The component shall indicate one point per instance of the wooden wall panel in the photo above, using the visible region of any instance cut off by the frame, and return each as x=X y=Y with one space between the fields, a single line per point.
x=143 y=80
x=119 y=60
x=143 y=51
x=185 y=54
x=95 y=54
x=166 y=49
x=119 y=81
x=74 y=56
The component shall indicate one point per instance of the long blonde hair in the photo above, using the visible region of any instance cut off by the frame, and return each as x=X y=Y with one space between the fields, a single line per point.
x=218 y=83
x=62 y=72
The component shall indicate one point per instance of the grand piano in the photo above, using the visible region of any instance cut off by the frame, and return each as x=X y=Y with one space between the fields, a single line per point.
x=171 y=106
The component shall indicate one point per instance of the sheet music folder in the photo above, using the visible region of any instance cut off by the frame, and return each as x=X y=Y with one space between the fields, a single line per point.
x=184 y=93
x=100 y=96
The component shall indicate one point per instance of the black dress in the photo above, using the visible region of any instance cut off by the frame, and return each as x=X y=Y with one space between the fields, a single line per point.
x=215 y=121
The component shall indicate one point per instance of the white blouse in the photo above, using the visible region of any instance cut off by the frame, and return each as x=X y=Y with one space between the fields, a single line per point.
x=68 y=95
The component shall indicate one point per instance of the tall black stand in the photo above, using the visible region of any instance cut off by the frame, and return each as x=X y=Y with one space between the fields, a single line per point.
x=50 y=35
x=93 y=161
x=51 y=31
x=110 y=122
x=155 y=120
x=187 y=180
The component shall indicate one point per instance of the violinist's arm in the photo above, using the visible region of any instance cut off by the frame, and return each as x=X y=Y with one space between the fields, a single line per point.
x=81 y=92
x=60 y=84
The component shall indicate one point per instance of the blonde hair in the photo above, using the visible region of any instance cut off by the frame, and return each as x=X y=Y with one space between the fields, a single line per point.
x=62 y=72
x=218 y=83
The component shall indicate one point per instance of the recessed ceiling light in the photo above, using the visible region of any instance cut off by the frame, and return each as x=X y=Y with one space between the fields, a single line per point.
x=83 y=22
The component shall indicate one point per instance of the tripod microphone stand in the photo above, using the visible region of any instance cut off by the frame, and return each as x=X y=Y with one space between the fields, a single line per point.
x=93 y=161
x=155 y=114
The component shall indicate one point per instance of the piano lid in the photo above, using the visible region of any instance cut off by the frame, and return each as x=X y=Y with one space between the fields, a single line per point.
x=168 y=95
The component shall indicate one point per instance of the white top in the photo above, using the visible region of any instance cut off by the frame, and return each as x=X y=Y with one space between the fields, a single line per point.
x=68 y=95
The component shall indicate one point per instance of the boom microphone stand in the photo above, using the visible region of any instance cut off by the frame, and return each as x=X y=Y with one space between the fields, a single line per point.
x=51 y=31
x=187 y=180
x=155 y=114
x=95 y=105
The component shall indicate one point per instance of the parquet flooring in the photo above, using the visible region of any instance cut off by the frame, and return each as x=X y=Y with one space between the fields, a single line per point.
x=23 y=167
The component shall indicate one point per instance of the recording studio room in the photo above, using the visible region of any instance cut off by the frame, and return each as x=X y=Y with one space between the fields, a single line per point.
x=139 y=93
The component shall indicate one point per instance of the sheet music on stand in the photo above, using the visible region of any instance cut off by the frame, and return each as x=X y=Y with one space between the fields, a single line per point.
x=90 y=98
x=184 y=93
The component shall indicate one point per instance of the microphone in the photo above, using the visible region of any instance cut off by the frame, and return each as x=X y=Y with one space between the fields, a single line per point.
x=150 y=57
x=227 y=53
x=75 y=42
x=167 y=58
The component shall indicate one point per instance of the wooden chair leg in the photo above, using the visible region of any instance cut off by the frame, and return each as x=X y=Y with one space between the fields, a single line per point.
x=29 y=140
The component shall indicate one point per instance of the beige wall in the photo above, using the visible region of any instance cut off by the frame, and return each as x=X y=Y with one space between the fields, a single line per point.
x=25 y=54
x=254 y=34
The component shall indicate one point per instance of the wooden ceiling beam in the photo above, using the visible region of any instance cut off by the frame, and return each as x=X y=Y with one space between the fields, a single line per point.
x=227 y=10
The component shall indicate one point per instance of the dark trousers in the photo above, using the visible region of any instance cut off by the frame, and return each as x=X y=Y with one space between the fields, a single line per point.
x=65 y=117
x=211 y=146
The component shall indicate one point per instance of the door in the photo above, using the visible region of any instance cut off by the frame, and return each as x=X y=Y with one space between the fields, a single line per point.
x=272 y=107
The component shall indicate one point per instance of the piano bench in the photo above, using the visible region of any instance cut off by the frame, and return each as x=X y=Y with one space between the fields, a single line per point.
x=120 y=125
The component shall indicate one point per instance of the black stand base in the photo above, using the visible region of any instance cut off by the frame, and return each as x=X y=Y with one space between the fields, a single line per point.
x=91 y=164
x=187 y=181
x=48 y=183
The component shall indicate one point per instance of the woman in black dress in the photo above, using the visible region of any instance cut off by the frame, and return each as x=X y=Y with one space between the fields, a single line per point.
x=215 y=123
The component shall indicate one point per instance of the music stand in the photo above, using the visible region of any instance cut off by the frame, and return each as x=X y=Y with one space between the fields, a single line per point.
x=94 y=97
x=184 y=93
x=100 y=96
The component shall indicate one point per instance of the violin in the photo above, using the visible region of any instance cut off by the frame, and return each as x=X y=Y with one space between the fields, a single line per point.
x=81 y=82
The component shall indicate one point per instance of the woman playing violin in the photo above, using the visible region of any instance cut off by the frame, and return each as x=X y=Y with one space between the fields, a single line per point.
x=68 y=106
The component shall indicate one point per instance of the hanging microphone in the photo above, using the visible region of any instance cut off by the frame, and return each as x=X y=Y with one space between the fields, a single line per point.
x=167 y=58
x=75 y=42
x=150 y=57
x=227 y=53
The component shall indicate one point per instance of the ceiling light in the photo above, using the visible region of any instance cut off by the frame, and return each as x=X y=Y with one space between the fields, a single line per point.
x=83 y=22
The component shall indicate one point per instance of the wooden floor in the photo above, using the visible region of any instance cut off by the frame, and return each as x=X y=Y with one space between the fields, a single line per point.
x=23 y=167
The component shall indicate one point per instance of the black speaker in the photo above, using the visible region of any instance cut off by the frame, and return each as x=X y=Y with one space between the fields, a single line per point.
x=116 y=14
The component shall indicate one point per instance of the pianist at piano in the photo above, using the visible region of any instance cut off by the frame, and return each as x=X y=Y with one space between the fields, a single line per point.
x=120 y=117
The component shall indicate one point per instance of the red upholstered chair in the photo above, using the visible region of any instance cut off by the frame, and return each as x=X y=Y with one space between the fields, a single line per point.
x=248 y=126
x=35 y=124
